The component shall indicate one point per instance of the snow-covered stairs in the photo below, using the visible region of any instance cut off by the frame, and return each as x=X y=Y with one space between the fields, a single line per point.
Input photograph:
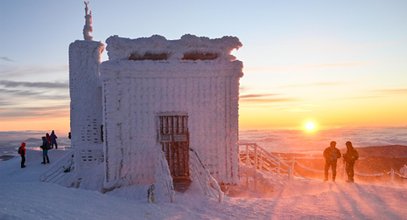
x=181 y=184
x=59 y=169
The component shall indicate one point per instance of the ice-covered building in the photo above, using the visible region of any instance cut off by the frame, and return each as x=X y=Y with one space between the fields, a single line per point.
x=155 y=95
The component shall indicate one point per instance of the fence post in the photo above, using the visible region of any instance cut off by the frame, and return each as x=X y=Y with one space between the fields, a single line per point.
x=255 y=167
x=247 y=165
x=392 y=175
x=255 y=157
x=291 y=169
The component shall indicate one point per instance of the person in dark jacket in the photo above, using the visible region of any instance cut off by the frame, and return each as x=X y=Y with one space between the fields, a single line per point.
x=45 y=147
x=48 y=139
x=53 y=138
x=331 y=155
x=21 y=151
x=349 y=159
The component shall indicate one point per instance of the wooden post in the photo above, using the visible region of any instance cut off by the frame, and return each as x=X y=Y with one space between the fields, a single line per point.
x=255 y=157
x=247 y=165
x=255 y=166
x=291 y=171
x=392 y=175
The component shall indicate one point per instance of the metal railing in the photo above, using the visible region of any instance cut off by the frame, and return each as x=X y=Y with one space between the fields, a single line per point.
x=58 y=170
x=163 y=176
x=206 y=181
x=252 y=155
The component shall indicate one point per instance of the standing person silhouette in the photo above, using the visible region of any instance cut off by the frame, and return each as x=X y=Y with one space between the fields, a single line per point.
x=349 y=158
x=331 y=155
x=21 y=151
x=45 y=147
x=53 y=138
x=48 y=138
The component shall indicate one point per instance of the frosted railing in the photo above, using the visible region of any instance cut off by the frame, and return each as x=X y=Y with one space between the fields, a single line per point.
x=206 y=181
x=259 y=158
x=163 y=176
x=256 y=156
x=56 y=171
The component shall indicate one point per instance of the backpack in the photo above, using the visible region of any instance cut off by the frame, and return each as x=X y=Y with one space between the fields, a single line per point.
x=20 y=151
x=48 y=146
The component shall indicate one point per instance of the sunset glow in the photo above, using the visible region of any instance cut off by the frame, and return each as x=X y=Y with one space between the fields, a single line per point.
x=310 y=126
x=347 y=71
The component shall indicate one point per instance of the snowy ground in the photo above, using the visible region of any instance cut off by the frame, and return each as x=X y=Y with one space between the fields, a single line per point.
x=23 y=196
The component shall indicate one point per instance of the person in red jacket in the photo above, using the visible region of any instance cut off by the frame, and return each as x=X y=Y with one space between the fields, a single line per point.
x=21 y=151
x=331 y=155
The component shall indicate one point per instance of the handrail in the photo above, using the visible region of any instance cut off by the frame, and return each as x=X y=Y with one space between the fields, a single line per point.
x=263 y=159
x=56 y=172
x=256 y=156
x=208 y=183
x=163 y=176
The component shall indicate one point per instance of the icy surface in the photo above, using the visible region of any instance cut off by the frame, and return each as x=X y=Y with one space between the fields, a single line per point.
x=24 y=197
x=137 y=90
x=121 y=48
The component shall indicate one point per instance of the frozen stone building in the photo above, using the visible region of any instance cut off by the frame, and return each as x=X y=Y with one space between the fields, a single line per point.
x=155 y=95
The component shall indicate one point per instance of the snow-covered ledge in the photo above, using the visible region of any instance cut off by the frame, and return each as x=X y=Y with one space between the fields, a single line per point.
x=123 y=48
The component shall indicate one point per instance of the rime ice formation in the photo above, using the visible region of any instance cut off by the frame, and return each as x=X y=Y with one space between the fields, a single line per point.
x=155 y=97
x=147 y=79
x=86 y=103
x=87 y=28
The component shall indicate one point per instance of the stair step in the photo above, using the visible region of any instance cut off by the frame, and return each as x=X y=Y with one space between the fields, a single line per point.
x=181 y=185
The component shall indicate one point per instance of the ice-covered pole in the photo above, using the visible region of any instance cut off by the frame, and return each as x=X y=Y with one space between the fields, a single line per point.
x=87 y=29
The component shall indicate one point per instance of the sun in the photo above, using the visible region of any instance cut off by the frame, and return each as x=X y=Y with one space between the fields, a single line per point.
x=310 y=126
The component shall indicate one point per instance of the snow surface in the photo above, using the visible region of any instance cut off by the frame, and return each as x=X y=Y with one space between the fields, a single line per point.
x=23 y=196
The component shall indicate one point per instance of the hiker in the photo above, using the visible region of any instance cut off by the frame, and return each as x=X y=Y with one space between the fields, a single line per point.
x=45 y=147
x=53 y=138
x=21 y=151
x=331 y=155
x=349 y=159
x=48 y=139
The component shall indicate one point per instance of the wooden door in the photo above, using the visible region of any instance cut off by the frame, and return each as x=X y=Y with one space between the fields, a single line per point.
x=173 y=136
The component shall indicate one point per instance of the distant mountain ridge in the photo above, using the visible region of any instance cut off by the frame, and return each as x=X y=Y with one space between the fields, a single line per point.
x=388 y=151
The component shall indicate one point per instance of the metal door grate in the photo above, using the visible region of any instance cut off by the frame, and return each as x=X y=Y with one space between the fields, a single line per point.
x=173 y=136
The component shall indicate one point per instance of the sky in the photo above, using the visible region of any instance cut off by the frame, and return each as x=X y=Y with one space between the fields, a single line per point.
x=337 y=63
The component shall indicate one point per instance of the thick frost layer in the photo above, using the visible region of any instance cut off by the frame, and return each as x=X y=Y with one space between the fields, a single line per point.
x=136 y=92
x=86 y=104
x=122 y=48
x=144 y=78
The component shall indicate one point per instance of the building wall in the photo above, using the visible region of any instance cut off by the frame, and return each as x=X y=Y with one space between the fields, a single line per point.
x=136 y=91
x=86 y=102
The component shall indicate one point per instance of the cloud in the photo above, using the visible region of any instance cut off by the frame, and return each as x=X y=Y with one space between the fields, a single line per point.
x=45 y=85
x=395 y=91
x=302 y=67
x=6 y=59
x=12 y=70
x=315 y=84
x=12 y=99
x=16 y=92
x=268 y=100
x=334 y=65
x=38 y=112
x=256 y=95
x=264 y=98
x=5 y=102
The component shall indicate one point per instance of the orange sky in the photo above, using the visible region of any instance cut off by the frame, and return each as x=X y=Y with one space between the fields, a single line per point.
x=341 y=64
